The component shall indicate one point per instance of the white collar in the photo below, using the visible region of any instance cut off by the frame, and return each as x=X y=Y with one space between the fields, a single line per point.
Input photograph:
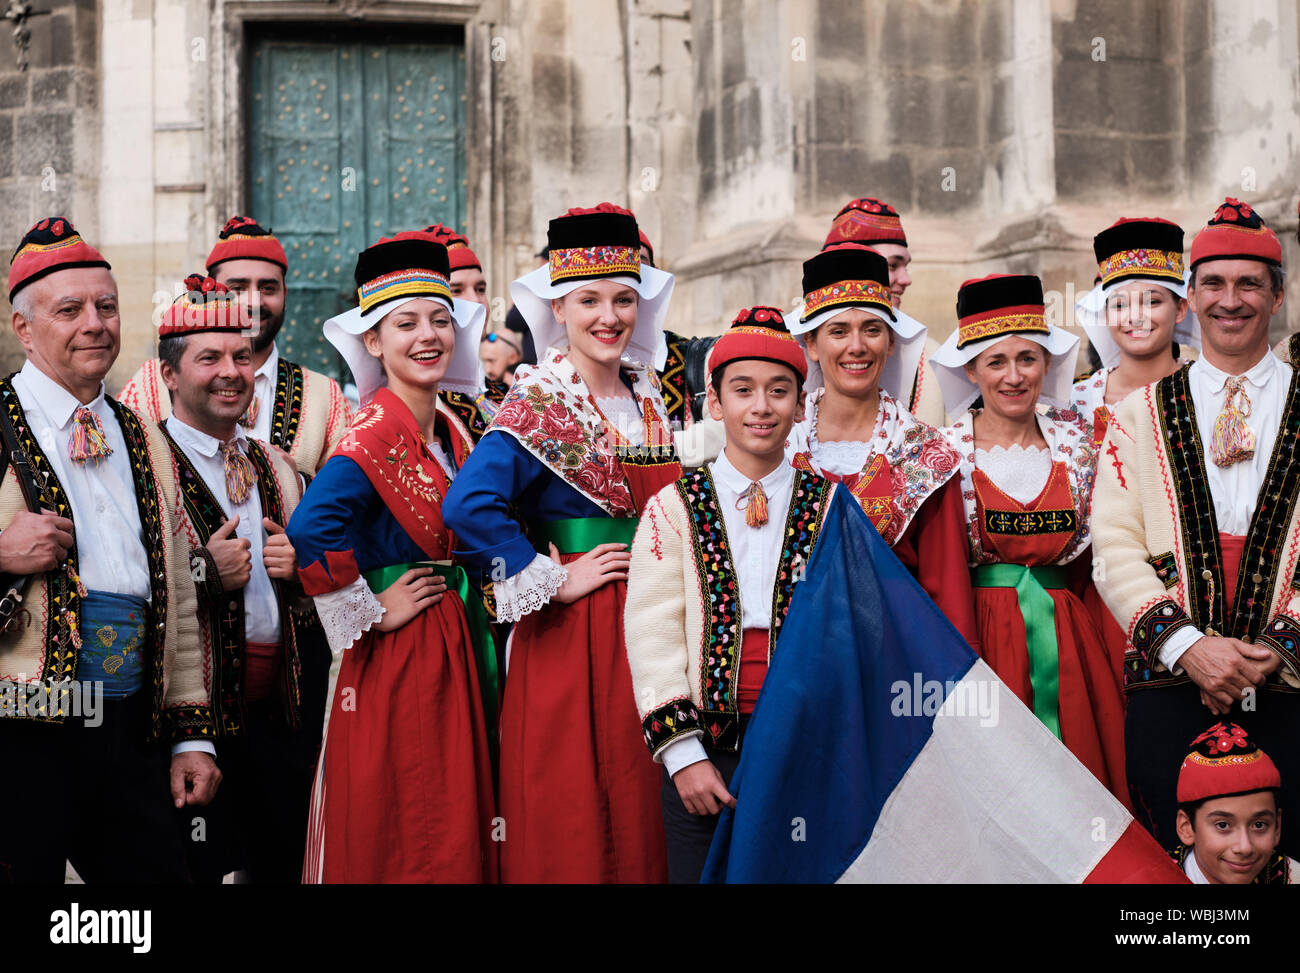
x=1258 y=375
x=55 y=401
x=201 y=442
x=1192 y=868
x=733 y=479
x=270 y=365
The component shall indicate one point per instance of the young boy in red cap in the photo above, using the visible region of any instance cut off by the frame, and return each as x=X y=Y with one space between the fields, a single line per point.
x=714 y=563
x=1229 y=821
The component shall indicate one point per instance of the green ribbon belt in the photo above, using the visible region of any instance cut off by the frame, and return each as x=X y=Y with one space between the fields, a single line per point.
x=1039 y=613
x=578 y=535
x=479 y=630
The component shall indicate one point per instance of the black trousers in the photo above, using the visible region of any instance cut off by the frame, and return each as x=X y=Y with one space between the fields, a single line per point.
x=258 y=821
x=1159 y=727
x=98 y=796
x=690 y=835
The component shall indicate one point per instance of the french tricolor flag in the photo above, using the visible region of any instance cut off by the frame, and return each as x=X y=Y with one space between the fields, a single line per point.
x=883 y=750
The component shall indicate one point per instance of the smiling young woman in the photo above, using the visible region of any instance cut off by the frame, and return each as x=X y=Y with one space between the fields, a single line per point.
x=1027 y=486
x=403 y=787
x=578 y=447
x=864 y=353
x=1134 y=314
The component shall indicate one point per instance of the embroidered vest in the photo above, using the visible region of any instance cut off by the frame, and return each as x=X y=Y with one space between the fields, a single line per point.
x=720 y=589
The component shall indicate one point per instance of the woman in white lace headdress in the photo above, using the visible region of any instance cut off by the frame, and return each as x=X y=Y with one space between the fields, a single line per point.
x=1027 y=487
x=576 y=450
x=403 y=789
x=863 y=354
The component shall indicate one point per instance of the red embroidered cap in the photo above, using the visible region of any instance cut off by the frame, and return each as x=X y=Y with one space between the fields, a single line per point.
x=759 y=333
x=242 y=239
x=1236 y=232
x=49 y=246
x=459 y=254
x=1223 y=762
x=866 y=220
x=205 y=306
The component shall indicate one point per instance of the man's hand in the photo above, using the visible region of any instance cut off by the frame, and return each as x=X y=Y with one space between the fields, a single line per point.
x=599 y=566
x=701 y=788
x=1225 y=668
x=232 y=555
x=35 y=543
x=277 y=553
x=195 y=778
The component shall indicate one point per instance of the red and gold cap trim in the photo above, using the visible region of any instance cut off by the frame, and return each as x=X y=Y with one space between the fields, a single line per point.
x=603 y=261
x=847 y=292
x=1164 y=264
x=403 y=283
x=33 y=247
x=1029 y=319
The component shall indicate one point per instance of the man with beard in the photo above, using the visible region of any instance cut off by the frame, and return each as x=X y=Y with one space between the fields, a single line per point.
x=293 y=408
x=239 y=495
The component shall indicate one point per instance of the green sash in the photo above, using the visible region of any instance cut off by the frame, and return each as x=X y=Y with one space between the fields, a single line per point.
x=1039 y=613
x=480 y=631
x=578 y=535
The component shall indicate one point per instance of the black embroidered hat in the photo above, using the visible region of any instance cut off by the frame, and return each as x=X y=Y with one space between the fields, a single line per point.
x=1139 y=248
x=405 y=265
x=846 y=275
x=586 y=244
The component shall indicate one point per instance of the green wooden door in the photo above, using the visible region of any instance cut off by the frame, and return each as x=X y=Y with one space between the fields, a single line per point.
x=351 y=138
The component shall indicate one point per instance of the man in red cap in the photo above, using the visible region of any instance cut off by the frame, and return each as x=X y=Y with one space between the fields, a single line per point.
x=1196 y=527
x=1229 y=819
x=238 y=496
x=873 y=222
x=105 y=666
x=293 y=408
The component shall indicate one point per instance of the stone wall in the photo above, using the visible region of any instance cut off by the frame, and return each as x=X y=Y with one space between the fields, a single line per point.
x=49 y=132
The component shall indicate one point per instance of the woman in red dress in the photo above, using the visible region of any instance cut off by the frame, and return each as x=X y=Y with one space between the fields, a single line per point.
x=1027 y=487
x=863 y=354
x=403 y=788
x=578 y=447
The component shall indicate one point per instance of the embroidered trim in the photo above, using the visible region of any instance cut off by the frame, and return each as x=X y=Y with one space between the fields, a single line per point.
x=465 y=409
x=151 y=531
x=1166 y=566
x=846 y=292
x=1151 y=630
x=669 y=722
x=1002 y=324
x=1149 y=263
x=1282 y=635
x=1026 y=523
x=802 y=525
x=603 y=261
x=528 y=590
x=673 y=385
x=287 y=404
x=400 y=283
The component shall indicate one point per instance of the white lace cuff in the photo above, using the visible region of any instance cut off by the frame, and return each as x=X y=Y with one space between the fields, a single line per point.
x=528 y=590
x=346 y=613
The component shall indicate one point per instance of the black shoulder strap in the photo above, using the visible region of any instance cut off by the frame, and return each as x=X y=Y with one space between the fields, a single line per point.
x=15 y=455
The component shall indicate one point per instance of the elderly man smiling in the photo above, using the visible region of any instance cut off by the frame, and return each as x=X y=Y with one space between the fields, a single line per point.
x=110 y=605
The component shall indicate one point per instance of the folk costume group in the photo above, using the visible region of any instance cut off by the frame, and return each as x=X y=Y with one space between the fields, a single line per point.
x=477 y=634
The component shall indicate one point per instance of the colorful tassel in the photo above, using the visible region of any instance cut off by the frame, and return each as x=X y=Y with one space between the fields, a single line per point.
x=755 y=505
x=88 y=441
x=240 y=474
x=249 y=419
x=1233 y=440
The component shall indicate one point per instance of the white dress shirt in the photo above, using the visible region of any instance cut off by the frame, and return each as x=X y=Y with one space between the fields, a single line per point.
x=1234 y=489
x=264 y=392
x=261 y=611
x=755 y=556
x=111 y=556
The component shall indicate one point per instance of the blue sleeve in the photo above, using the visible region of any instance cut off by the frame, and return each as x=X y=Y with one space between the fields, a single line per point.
x=477 y=509
x=335 y=501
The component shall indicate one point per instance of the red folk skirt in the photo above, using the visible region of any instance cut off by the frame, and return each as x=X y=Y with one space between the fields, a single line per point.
x=578 y=790
x=404 y=790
